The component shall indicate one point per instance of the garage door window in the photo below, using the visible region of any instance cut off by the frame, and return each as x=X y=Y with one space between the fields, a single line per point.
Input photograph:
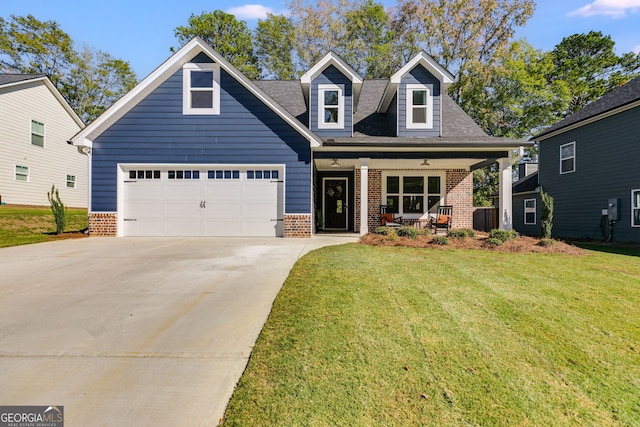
x=223 y=174
x=144 y=174
x=184 y=174
x=262 y=174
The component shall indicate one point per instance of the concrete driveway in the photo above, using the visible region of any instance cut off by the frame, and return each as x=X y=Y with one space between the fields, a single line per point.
x=137 y=331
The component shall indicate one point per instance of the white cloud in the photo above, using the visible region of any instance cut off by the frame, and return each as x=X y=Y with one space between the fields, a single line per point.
x=251 y=11
x=636 y=49
x=612 y=8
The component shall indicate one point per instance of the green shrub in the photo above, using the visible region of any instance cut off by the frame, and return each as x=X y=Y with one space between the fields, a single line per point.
x=492 y=241
x=470 y=232
x=440 y=240
x=459 y=233
x=58 y=208
x=410 y=232
x=546 y=220
x=503 y=235
x=385 y=231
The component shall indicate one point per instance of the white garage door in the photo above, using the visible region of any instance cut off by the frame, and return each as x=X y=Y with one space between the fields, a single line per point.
x=213 y=201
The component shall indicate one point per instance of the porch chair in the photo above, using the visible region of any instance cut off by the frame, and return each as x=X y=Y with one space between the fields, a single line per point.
x=443 y=219
x=388 y=218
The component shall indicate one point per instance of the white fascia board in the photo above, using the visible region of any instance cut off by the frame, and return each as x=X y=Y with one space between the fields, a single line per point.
x=170 y=66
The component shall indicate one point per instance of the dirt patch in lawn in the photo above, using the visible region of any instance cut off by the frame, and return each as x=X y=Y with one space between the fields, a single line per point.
x=522 y=244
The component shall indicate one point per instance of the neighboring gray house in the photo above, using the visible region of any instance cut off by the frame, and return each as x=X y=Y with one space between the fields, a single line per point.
x=197 y=149
x=589 y=165
x=35 y=124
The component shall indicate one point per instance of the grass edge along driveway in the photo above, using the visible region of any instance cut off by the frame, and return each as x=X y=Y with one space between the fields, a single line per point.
x=364 y=336
x=21 y=225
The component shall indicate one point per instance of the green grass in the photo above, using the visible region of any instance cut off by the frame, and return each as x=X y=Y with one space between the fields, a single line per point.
x=363 y=336
x=21 y=225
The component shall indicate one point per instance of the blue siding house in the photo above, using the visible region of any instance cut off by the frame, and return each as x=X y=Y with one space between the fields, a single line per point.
x=197 y=149
x=588 y=163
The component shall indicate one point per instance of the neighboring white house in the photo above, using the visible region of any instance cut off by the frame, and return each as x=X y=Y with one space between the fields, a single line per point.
x=35 y=124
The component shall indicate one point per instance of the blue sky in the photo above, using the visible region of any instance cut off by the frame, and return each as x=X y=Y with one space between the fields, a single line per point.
x=141 y=31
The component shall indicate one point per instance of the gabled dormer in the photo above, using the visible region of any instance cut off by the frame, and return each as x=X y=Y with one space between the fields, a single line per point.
x=331 y=89
x=412 y=99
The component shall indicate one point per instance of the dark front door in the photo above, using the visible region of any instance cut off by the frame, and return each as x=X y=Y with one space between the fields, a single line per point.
x=334 y=202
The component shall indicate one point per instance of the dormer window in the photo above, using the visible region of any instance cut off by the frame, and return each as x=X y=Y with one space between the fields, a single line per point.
x=201 y=89
x=330 y=107
x=419 y=106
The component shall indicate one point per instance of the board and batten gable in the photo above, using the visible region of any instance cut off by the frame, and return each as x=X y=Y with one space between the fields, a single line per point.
x=331 y=76
x=606 y=167
x=50 y=164
x=418 y=76
x=245 y=132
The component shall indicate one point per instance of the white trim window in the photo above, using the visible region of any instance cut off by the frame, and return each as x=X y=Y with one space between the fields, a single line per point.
x=71 y=181
x=419 y=106
x=201 y=89
x=635 y=208
x=330 y=107
x=22 y=173
x=37 y=133
x=413 y=194
x=568 y=158
x=530 y=211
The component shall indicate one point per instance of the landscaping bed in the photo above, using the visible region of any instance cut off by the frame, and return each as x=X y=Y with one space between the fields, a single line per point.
x=385 y=236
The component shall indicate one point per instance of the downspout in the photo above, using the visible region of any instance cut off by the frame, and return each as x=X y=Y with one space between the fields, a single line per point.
x=86 y=150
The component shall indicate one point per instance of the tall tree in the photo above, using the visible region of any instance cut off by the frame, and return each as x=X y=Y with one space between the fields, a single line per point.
x=229 y=37
x=588 y=64
x=274 y=39
x=96 y=81
x=30 y=46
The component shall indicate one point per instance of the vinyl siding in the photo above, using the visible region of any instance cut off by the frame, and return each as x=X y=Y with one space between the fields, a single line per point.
x=245 y=132
x=607 y=157
x=331 y=75
x=419 y=75
x=47 y=165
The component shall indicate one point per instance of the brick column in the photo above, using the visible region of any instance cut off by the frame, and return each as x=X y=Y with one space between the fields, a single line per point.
x=460 y=195
x=103 y=224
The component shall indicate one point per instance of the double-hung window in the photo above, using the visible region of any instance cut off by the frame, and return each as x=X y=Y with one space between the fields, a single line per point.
x=568 y=158
x=407 y=194
x=419 y=107
x=22 y=173
x=635 y=208
x=201 y=89
x=330 y=107
x=71 y=181
x=530 y=211
x=37 y=133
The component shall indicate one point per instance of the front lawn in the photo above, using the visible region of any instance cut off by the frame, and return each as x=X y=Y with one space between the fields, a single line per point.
x=363 y=336
x=21 y=225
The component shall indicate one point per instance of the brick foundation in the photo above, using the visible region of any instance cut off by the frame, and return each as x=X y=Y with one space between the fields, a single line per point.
x=297 y=225
x=103 y=224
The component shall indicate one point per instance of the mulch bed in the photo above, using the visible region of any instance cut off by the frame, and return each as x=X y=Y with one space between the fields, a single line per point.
x=523 y=244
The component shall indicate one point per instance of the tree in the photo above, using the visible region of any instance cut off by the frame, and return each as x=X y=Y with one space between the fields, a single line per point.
x=96 y=81
x=274 y=41
x=58 y=209
x=588 y=65
x=229 y=37
x=30 y=46
x=485 y=185
x=546 y=220
x=90 y=81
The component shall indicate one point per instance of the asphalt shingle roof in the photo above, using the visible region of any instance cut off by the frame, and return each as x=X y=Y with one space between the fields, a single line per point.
x=528 y=183
x=619 y=97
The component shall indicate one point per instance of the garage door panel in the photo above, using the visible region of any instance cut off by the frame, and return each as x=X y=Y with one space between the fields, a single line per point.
x=203 y=207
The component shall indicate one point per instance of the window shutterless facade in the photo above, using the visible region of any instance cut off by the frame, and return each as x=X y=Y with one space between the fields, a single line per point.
x=201 y=89
x=330 y=107
x=635 y=208
x=71 y=181
x=419 y=106
x=413 y=194
x=37 y=133
x=568 y=158
x=530 y=211
x=22 y=173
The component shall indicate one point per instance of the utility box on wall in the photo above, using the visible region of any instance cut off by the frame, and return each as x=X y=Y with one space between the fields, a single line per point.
x=613 y=210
